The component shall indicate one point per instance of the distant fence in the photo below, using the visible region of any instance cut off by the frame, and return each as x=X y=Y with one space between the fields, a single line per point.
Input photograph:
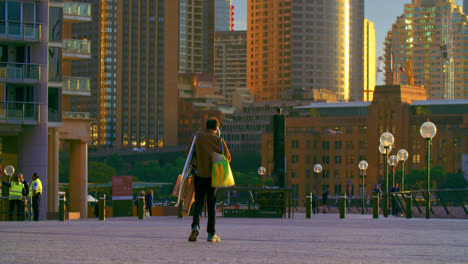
x=444 y=203
x=256 y=202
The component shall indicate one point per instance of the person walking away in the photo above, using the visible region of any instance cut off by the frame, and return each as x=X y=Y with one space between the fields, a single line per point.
x=206 y=143
x=314 y=202
x=16 y=197
x=26 y=196
x=35 y=195
x=149 y=201
x=324 y=201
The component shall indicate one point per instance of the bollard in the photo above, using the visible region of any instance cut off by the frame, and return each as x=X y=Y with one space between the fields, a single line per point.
x=308 y=206
x=102 y=208
x=343 y=206
x=141 y=208
x=375 y=205
x=61 y=209
x=409 y=207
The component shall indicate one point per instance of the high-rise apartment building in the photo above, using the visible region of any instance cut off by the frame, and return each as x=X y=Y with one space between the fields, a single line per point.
x=305 y=44
x=369 y=61
x=196 y=36
x=230 y=63
x=147 y=35
x=429 y=38
x=36 y=89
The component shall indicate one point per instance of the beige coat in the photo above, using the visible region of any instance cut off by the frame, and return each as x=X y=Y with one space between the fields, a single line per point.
x=207 y=143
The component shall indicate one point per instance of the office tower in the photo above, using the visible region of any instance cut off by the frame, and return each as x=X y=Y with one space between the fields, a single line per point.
x=305 y=44
x=230 y=63
x=196 y=36
x=224 y=15
x=427 y=43
x=36 y=87
x=102 y=70
x=147 y=73
x=369 y=61
x=465 y=6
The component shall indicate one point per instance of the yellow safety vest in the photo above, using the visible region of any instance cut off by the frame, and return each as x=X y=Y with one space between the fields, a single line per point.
x=38 y=190
x=16 y=191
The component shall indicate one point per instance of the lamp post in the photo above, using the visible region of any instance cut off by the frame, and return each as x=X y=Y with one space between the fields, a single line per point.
x=428 y=131
x=393 y=162
x=362 y=168
x=402 y=156
x=317 y=170
x=386 y=140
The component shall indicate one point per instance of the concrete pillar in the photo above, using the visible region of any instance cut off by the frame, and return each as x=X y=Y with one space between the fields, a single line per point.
x=32 y=157
x=78 y=188
x=52 y=170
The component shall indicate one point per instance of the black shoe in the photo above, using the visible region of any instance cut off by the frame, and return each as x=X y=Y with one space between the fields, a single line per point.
x=193 y=234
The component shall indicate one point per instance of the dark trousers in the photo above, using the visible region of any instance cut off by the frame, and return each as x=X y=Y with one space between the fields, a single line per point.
x=35 y=206
x=18 y=203
x=148 y=206
x=202 y=188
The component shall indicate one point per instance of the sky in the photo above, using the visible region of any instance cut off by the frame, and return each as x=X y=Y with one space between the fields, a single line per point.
x=382 y=12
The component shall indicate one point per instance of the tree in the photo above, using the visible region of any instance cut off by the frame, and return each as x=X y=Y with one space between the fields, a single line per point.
x=99 y=172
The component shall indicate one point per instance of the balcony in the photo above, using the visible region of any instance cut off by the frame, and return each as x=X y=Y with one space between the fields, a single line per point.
x=76 y=86
x=26 y=113
x=76 y=49
x=74 y=12
x=76 y=115
x=15 y=31
x=20 y=72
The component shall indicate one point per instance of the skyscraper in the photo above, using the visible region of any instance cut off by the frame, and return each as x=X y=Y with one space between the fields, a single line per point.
x=305 y=44
x=223 y=15
x=428 y=43
x=369 y=61
x=196 y=36
x=230 y=63
x=147 y=73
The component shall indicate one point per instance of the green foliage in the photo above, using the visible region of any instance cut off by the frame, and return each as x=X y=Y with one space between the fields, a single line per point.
x=99 y=172
x=117 y=162
x=246 y=162
x=454 y=181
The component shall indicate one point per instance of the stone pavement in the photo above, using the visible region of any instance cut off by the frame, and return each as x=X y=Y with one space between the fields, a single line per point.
x=323 y=239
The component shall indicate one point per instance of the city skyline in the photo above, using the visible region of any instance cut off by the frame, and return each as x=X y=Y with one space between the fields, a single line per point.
x=383 y=21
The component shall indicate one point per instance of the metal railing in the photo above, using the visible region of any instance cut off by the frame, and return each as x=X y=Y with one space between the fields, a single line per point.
x=76 y=115
x=443 y=202
x=256 y=202
x=77 y=46
x=77 y=84
x=19 y=72
x=20 y=31
x=76 y=9
x=19 y=112
x=449 y=200
x=6 y=215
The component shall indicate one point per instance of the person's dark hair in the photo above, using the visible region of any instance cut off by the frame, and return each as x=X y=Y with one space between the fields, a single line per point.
x=212 y=123
x=35 y=174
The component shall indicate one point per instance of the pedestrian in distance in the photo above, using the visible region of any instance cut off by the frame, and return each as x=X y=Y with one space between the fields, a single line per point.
x=149 y=201
x=35 y=195
x=314 y=202
x=324 y=200
x=16 y=197
x=207 y=142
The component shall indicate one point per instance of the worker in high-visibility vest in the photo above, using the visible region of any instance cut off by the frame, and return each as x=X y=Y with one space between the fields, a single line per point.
x=16 y=197
x=35 y=195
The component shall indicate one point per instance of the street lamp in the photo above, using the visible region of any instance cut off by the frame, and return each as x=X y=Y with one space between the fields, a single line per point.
x=393 y=162
x=362 y=168
x=317 y=170
x=386 y=140
x=402 y=156
x=428 y=131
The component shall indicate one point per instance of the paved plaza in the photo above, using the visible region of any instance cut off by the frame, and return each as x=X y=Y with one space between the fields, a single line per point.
x=323 y=239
